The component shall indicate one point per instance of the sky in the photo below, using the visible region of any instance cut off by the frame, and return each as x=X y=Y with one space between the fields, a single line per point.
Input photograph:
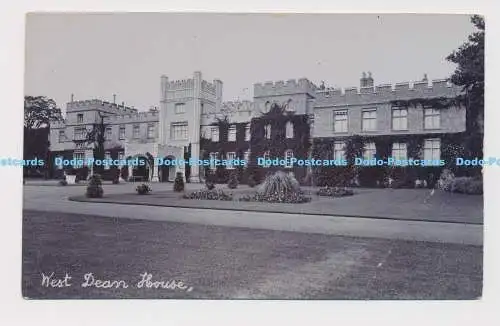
x=98 y=55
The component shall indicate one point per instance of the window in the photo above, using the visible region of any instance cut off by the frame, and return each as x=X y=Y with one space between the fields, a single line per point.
x=231 y=156
x=179 y=131
x=399 y=119
x=79 y=118
x=107 y=156
x=338 y=150
x=246 y=157
x=231 y=134
x=80 y=133
x=266 y=157
x=432 y=149
x=78 y=156
x=369 y=120
x=60 y=166
x=122 y=132
x=62 y=136
x=289 y=130
x=135 y=132
x=399 y=151
x=340 y=121
x=267 y=131
x=180 y=108
x=109 y=133
x=151 y=130
x=247 y=132
x=369 y=151
x=432 y=118
x=288 y=157
x=213 y=158
x=81 y=145
x=215 y=134
x=289 y=105
x=121 y=157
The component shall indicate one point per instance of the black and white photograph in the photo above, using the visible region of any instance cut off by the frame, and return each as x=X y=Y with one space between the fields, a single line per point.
x=256 y=156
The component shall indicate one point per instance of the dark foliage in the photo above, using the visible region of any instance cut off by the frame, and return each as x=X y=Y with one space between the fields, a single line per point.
x=143 y=189
x=179 y=182
x=233 y=181
x=335 y=192
x=94 y=187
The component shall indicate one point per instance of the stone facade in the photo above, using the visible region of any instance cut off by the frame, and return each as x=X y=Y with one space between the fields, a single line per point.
x=191 y=108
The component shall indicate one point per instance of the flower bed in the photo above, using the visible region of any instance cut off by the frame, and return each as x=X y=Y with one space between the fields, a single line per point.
x=292 y=198
x=335 y=192
x=278 y=188
x=205 y=194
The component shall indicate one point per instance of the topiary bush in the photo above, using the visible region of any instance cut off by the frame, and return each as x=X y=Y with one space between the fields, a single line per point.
x=94 y=187
x=179 y=182
x=233 y=181
x=335 y=192
x=279 y=187
x=143 y=189
x=251 y=181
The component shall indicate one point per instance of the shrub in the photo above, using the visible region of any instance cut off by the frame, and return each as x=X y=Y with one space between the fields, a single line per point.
x=335 y=192
x=179 y=182
x=445 y=180
x=94 y=187
x=279 y=188
x=63 y=182
x=233 y=181
x=143 y=189
x=209 y=184
x=205 y=194
x=251 y=181
x=466 y=185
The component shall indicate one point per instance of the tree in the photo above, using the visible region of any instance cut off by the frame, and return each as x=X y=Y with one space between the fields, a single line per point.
x=97 y=137
x=469 y=74
x=40 y=111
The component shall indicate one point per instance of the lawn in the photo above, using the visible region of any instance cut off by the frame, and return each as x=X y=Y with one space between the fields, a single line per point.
x=406 y=204
x=237 y=263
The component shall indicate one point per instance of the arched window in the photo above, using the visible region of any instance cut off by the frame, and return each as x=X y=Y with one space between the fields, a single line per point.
x=267 y=131
x=267 y=106
x=289 y=105
x=289 y=129
x=288 y=158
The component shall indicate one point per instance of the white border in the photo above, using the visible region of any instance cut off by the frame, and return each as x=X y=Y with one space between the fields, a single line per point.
x=16 y=311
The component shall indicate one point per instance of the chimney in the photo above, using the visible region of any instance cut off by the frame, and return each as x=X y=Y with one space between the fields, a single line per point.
x=369 y=80
x=363 y=80
x=123 y=104
x=72 y=97
x=114 y=98
x=425 y=78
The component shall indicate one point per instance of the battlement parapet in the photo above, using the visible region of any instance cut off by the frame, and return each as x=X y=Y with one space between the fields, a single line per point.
x=180 y=84
x=280 y=87
x=386 y=93
x=101 y=105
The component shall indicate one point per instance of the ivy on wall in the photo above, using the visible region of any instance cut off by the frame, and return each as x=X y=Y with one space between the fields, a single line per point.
x=277 y=118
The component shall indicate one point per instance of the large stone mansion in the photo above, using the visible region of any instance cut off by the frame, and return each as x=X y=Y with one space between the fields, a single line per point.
x=187 y=123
